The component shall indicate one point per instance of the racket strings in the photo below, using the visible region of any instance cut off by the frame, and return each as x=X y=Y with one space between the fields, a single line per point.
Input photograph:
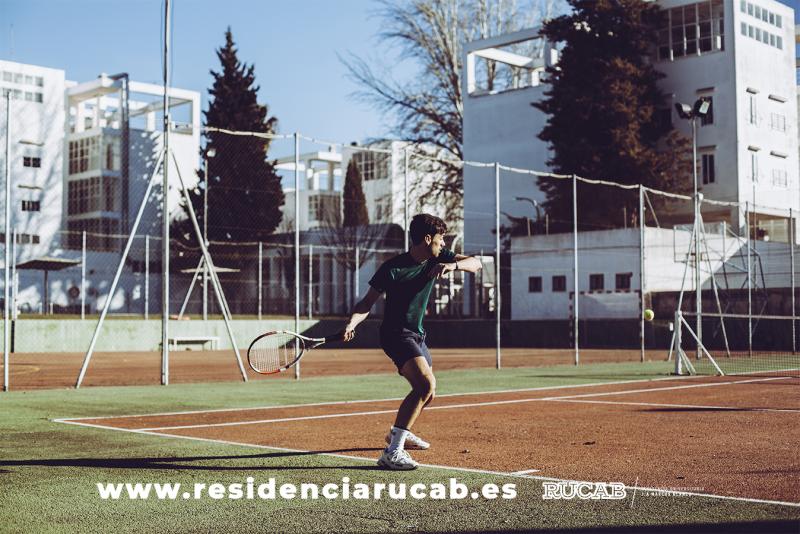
x=275 y=352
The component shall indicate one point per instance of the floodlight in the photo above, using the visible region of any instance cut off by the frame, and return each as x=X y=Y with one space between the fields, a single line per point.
x=701 y=107
x=684 y=111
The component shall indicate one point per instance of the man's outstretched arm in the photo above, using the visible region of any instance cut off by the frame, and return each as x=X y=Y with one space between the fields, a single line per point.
x=360 y=312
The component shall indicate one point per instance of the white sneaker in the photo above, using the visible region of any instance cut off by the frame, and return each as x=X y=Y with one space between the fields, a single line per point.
x=397 y=460
x=413 y=442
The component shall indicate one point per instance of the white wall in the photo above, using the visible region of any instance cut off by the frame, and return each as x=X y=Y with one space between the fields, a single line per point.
x=35 y=131
x=617 y=251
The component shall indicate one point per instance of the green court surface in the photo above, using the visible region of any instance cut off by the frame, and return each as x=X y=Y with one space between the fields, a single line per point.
x=49 y=470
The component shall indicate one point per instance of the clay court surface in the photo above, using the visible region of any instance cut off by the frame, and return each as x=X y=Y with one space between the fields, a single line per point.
x=730 y=436
x=56 y=370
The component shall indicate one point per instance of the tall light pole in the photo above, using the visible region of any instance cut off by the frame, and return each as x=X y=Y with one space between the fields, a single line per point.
x=535 y=205
x=210 y=153
x=691 y=113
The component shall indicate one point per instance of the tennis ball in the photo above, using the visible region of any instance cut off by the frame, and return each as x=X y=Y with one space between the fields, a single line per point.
x=649 y=315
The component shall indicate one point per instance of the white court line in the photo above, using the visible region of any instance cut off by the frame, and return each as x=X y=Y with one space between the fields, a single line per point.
x=447 y=407
x=525 y=472
x=334 y=403
x=669 y=388
x=433 y=466
x=694 y=406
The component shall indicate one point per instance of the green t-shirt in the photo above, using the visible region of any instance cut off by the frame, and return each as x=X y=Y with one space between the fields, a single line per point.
x=407 y=287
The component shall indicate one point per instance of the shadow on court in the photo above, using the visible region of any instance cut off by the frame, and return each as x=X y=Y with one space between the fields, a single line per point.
x=760 y=527
x=185 y=462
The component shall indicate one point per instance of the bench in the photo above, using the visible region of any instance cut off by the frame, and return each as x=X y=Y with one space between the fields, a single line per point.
x=202 y=340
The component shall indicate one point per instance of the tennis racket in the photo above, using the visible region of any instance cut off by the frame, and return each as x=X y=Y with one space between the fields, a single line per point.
x=275 y=352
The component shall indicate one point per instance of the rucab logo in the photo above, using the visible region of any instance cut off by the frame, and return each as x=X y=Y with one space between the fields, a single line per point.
x=584 y=490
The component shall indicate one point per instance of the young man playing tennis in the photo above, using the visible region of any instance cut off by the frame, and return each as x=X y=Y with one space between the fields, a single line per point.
x=407 y=280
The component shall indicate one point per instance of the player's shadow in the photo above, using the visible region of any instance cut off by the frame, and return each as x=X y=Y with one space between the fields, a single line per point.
x=186 y=463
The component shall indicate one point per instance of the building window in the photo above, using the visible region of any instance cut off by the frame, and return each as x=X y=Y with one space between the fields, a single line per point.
x=31 y=205
x=708 y=118
x=112 y=159
x=31 y=161
x=534 y=284
x=84 y=155
x=101 y=234
x=372 y=165
x=92 y=194
x=777 y=122
x=22 y=239
x=752 y=115
x=623 y=281
x=559 y=284
x=692 y=30
x=707 y=168
x=596 y=282
x=324 y=208
x=780 y=178
x=753 y=166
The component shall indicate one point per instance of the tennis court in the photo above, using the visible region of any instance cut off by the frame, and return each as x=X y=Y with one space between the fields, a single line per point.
x=55 y=370
x=732 y=437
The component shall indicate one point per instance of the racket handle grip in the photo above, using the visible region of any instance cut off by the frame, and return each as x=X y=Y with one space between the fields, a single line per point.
x=338 y=336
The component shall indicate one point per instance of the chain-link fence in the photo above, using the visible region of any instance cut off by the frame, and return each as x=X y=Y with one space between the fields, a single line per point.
x=568 y=262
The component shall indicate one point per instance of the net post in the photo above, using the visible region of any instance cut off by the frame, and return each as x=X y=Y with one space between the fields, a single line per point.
x=575 y=265
x=498 y=363
x=641 y=271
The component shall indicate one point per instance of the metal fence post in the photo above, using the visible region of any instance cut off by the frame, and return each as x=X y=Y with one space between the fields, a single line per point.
x=83 y=276
x=498 y=355
x=641 y=270
x=297 y=242
x=405 y=198
x=575 y=280
x=165 y=207
x=749 y=283
x=791 y=270
x=146 y=276
x=310 y=280
x=7 y=247
x=356 y=279
x=260 y=277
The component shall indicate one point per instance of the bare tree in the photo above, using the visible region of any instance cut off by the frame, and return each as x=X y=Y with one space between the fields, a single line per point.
x=428 y=109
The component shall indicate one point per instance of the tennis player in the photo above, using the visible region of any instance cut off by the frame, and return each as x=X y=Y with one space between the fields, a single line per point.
x=407 y=280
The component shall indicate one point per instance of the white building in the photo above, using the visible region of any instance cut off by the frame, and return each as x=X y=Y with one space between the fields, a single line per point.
x=70 y=174
x=738 y=53
x=36 y=153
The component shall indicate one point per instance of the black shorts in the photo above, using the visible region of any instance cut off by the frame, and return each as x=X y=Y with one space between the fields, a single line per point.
x=403 y=345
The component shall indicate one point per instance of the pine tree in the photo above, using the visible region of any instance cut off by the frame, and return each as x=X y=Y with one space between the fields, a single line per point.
x=605 y=112
x=245 y=194
x=355 y=204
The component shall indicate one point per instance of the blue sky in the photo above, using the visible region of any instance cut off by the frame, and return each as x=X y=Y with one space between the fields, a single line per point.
x=293 y=44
